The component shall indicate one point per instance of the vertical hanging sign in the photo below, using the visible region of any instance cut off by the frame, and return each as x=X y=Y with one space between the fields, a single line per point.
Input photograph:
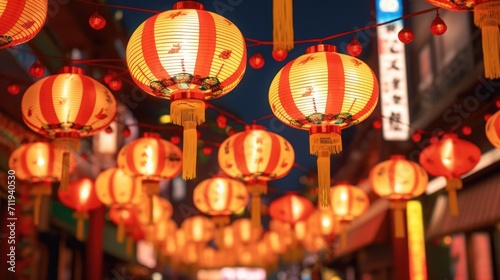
x=416 y=242
x=392 y=72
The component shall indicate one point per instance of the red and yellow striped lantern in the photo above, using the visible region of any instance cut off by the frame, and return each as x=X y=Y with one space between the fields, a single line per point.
x=290 y=209
x=187 y=55
x=256 y=156
x=67 y=106
x=244 y=232
x=151 y=159
x=493 y=129
x=220 y=197
x=450 y=157
x=115 y=188
x=36 y=164
x=324 y=92
x=82 y=198
x=487 y=18
x=398 y=180
x=21 y=20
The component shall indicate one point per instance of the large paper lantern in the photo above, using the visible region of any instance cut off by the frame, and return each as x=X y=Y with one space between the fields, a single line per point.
x=82 y=198
x=116 y=189
x=450 y=157
x=187 y=55
x=398 y=180
x=324 y=92
x=151 y=159
x=21 y=20
x=36 y=163
x=487 y=18
x=256 y=156
x=220 y=197
x=66 y=107
x=493 y=129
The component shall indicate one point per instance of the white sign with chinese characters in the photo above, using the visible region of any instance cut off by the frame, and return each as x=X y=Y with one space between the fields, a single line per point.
x=392 y=73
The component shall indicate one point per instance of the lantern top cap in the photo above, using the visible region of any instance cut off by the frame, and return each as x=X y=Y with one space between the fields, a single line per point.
x=321 y=48
x=188 y=5
x=398 y=157
x=70 y=70
x=151 y=135
x=250 y=127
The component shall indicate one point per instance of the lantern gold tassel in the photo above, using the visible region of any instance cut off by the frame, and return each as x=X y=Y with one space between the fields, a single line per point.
x=120 y=233
x=129 y=246
x=150 y=188
x=323 y=179
x=189 y=113
x=256 y=190
x=67 y=145
x=398 y=209
x=39 y=190
x=283 y=25
x=343 y=233
x=80 y=224
x=487 y=17
x=452 y=185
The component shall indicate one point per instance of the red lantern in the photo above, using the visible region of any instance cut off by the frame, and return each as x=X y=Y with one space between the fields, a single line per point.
x=21 y=21
x=116 y=189
x=279 y=54
x=97 y=21
x=124 y=216
x=36 y=164
x=221 y=121
x=220 y=197
x=152 y=159
x=487 y=18
x=406 y=35
x=256 y=61
x=321 y=222
x=115 y=84
x=207 y=150
x=256 y=156
x=290 y=209
x=438 y=26
x=37 y=70
x=68 y=106
x=450 y=157
x=398 y=180
x=13 y=89
x=152 y=213
x=82 y=198
x=198 y=229
x=244 y=232
x=305 y=96
x=493 y=129
x=354 y=47
x=185 y=64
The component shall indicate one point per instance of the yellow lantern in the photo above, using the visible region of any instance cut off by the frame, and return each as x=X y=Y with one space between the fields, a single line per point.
x=321 y=222
x=198 y=229
x=245 y=232
x=154 y=212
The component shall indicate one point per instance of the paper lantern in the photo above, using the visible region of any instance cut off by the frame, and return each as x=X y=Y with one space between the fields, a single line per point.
x=244 y=232
x=398 y=180
x=198 y=229
x=220 y=197
x=354 y=47
x=321 y=222
x=191 y=55
x=37 y=70
x=151 y=213
x=82 y=198
x=279 y=54
x=450 y=157
x=256 y=61
x=487 y=18
x=115 y=188
x=348 y=202
x=21 y=20
x=275 y=242
x=163 y=230
x=13 y=89
x=256 y=156
x=124 y=216
x=226 y=238
x=66 y=107
x=151 y=159
x=290 y=208
x=324 y=92
x=314 y=243
x=96 y=21
x=36 y=164
x=493 y=129
x=438 y=26
x=406 y=35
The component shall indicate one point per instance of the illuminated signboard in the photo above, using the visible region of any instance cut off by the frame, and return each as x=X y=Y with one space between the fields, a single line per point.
x=232 y=273
x=416 y=241
x=392 y=72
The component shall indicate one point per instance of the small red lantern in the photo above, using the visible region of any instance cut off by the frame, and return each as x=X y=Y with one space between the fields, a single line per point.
x=279 y=54
x=406 y=35
x=257 y=61
x=97 y=21
x=115 y=84
x=450 y=157
x=207 y=150
x=354 y=47
x=37 y=70
x=244 y=232
x=126 y=132
x=221 y=121
x=13 y=89
x=176 y=140
x=124 y=216
x=493 y=129
x=290 y=208
x=438 y=26
x=398 y=180
x=82 y=198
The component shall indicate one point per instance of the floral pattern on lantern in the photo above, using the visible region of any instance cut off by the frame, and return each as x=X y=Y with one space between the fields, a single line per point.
x=398 y=180
x=256 y=156
x=450 y=157
x=324 y=92
x=493 y=129
x=82 y=198
x=192 y=55
x=67 y=106
x=21 y=20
